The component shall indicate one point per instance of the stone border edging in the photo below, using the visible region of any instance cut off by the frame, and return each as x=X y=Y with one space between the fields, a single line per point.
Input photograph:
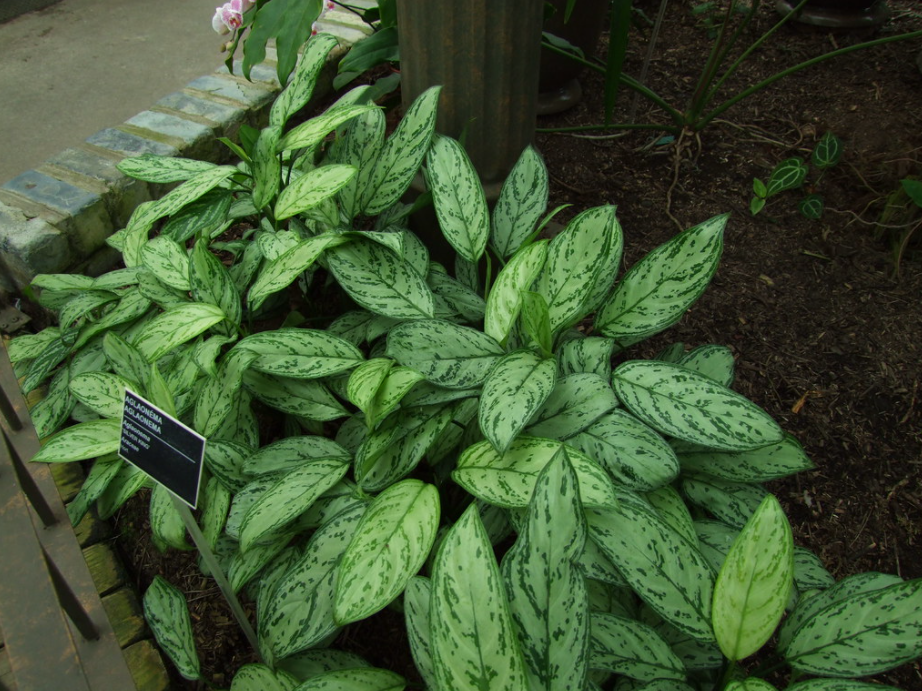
x=56 y=218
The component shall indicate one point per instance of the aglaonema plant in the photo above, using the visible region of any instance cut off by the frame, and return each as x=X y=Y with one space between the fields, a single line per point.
x=547 y=511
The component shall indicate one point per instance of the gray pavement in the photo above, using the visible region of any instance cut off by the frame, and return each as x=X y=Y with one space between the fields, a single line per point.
x=79 y=66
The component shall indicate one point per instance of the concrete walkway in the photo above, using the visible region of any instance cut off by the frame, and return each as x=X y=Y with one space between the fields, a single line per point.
x=79 y=66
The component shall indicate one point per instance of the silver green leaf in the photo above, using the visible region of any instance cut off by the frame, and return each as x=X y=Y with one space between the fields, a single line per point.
x=547 y=592
x=671 y=507
x=167 y=615
x=389 y=546
x=301 y=353
x=838 y=685
x=300 y=613
x=166 y=525
x=380 y=281
x=402 y=155
x=578 y=262
x=758 y=465
x=474 y=644
x=690 y=406
x=101 y=391
x=754 y=583
x=311 y=189
x=291 y=453
x=505 y=299
x=636 y=456
x=668 y=573
x=508 y=479
x=288 y=498
x=266 y=166
x=416 y=602
x=305 y=397
x=713 y=361
x=732 y=502
x=162 y=169
x=101 y=474
x=451 y=356
x=458 y=198
x=657 y=291
x=277 y=274
x=298 y=92
x=309 y=134
x=174 y=327
x=211 y=283
x=358 y=679
x=809 y=572
x=632 y=649
x=127 y=481
x=576 y=402
x=866 y=633
x=591 y=355
x=514 y=390
x=81 y=442
x=521 y=202
x=359 y=146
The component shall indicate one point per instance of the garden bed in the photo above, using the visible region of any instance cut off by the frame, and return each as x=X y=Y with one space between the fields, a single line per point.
x=826 y=334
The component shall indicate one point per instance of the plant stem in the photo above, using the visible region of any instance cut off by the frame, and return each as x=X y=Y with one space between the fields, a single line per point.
x=796 y=68
x=613 y=126
x=755 y=46
x=698 y=100
x=727 y=676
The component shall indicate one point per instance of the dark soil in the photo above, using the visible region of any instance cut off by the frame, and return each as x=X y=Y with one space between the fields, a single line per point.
x=825 y=330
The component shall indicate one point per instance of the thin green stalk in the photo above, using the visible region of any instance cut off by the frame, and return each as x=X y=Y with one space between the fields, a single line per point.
x=488 y=276
x=755 y=46
x=629 y=82
x=727 y=676
x=713 y=62
x=796 y=68
x=712 y=88
x=613 y=126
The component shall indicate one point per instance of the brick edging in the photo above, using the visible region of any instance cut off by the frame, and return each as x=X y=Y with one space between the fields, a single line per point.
x=56 y=218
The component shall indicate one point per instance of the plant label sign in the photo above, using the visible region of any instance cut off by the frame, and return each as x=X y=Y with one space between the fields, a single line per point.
x=162 y=447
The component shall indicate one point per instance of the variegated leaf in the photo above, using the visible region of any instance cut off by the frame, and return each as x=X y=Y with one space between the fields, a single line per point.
x=282 y=271
x=838 y=685
x=132 y=306
x=218 y=396
x=547 y=592
x=125 y=359
x=759 y=465
x=166 y=525
x=576 y=402
x=301 y=86
x=168 y=261
x=521 y=202
x=809 y=572
x=311 y=189
x=714 y=541
x=515 y=388
x=416 y=603
x=101 y=474
x=505 y=299
x=750 y=684
x=291 y=453
x=380 y=281
x=508 y=479
x=577 y=263
x=305 y=397
x=39 y=369
x=101 y=391
x=53 y=410
x=451 y=356
x=214 y=504
x=388 y=396
x=309 y=663
x=300 y=613
x=204 y=217
x=457 y=298
x=29 y=346
x=754 y=583
x=358 y=679
x=591 y=355
x=84 y=305
x=167 y=615
x=244 y=566
x=256 y=677
x=162 y=169
x=288 y=498
x=458 y=198
x=398 y=445
x=224 y=459
x=301 y=353
x=473 y=638
x=656 y=292
x=690 y=406
x=211 y=283
x=536 y=322
x=174 y=327
x=635 y=455
x=360 y=146
x=127 y=481
x=365 y=380
x=402 y=155
x=863 y=634
x=389 y=546
x=633 y=649
x=713 y=361
x=309 y=134
x=668 y=573
x=81 y=442
x=672 y=509
x=731 y=502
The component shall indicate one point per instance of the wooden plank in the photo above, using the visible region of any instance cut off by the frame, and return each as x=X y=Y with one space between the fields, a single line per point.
x=69 y=479
x=124 y=611
x=91 y=530
x=105 y=567
x=146 y=666
x=7 y=682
